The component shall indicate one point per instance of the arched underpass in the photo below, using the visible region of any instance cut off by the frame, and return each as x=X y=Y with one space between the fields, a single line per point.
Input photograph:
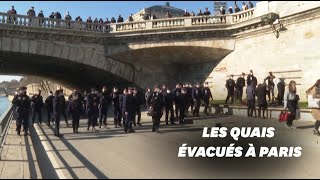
x=67 y=73
x=172 y=64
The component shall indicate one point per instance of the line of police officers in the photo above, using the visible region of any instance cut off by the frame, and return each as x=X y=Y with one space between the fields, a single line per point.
x=126 y=106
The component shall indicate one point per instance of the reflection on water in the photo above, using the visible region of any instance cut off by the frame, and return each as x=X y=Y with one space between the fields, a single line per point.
x=4 y=102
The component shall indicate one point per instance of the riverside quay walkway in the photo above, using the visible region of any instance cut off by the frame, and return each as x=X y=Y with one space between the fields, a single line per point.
x=110 y=153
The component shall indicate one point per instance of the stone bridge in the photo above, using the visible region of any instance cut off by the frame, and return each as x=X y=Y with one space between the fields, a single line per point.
x=140 y=53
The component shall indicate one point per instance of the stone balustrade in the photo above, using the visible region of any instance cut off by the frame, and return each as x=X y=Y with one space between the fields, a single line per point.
x=23 y=20
x=242 y=16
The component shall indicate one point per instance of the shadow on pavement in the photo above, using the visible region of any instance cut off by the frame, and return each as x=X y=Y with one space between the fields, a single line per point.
x=32 y=167
x=94 y=170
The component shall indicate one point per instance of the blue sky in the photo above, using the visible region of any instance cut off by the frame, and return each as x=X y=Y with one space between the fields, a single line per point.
x=99 y=9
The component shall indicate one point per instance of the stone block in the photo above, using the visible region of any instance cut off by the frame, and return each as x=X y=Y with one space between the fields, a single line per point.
x=88 y=55
x=73 y=53
x=49 y=49
x=41 y=48
x=33 y=46
x=115 y=67
x=80 y=54
x=6 y=44
x=94 y=60
x=101 y=62
x=108 y=65
x=15 y=45
x=65 y=52
x=57 y=48
x=24 y=47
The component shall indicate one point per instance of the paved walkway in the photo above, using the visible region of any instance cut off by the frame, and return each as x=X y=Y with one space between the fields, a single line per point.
x=110 y=153
x=18 y=159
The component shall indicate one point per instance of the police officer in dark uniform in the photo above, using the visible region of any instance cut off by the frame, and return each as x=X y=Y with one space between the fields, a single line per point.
x=241 y=82
x=122 y=99
x=37 y=103
x=105 y=100
x=197 y=96
x=177 y=92
x=64 y=108
x=139 y=102
x=130 y=109
x=115 y=95
x=57 y=111
x=230 y=85
x=23 y=104
x=49 y=104
x=76 y=108
x=157 y=104
x=92 y=108
x=168 y=101
x=206 y=96
x=183 y=100
x=189 y=95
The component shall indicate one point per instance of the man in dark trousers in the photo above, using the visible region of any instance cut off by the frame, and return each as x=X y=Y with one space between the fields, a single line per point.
x=23 y=104
x=64 y=108
x=156 y=102
x=115 y=95
x=230 y=84
x=197 y=96
x=49 y=104
x=122 y=99
x=177 y=92
x=183 y=100
x=37 y=103
x=76 y=108
x=281 y=87
x=105 y=100
x=57 y=111
x=130 y=109
x=168 y=101
x=206 y=96
x=92 y=108
x=241 y=82
x=139 y=102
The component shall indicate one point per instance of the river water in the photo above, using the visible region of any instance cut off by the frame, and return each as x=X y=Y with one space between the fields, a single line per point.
x=4 y=103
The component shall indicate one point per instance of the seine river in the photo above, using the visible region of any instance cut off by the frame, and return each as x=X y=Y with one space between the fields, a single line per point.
x=4 y=103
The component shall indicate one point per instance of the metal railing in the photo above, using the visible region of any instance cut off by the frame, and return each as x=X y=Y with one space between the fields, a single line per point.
x=23 y=20
x=5 y=121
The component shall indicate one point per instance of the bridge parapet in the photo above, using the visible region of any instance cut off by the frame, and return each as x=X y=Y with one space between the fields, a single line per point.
x=192 y=21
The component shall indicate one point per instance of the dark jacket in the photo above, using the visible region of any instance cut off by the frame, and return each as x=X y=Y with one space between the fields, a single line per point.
x=115 y=99
x=23 y=103
x=251 y=78
x=156 y=101
x=49 y=102
x=261 y=94
x=37 y=101
x=230 y=84
x=122 y=99
x=57 y=104
x=76 y=103
x=241 y=82
x=92 y=102
x=105 y=100
x=168 y=99
x=207 y=94
x=196 y=93
x=130 y=104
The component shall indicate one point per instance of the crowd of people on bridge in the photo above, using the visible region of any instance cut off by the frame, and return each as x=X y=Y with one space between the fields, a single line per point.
x=97 y=23
x=126 y=106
